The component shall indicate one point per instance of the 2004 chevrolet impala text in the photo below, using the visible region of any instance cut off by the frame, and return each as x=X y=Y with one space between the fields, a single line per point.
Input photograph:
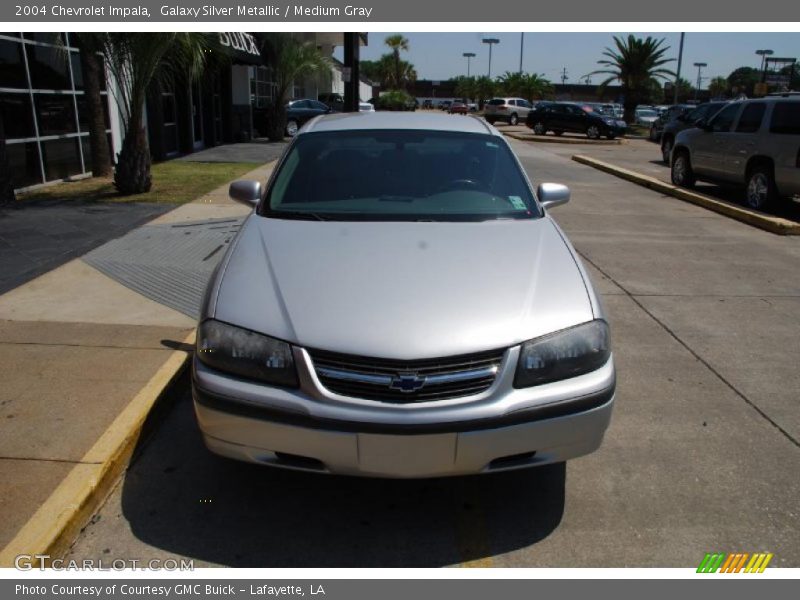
x=400 y=304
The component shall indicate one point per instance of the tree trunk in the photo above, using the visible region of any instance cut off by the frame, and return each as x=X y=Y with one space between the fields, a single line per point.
x=6 y=186
x=92 y=66
x=132 y=175
x=276 y=122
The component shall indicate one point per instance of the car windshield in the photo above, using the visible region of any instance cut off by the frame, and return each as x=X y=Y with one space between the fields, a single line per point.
x=399 y=175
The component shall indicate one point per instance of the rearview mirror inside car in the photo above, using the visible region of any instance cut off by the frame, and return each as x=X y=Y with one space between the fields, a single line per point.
x=552 y=194
x=246 y=191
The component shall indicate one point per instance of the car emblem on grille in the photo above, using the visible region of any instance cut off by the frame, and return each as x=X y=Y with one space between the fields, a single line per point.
x=407 y=382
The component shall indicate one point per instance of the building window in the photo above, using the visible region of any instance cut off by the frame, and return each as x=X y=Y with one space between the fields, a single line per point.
x=262 y=87
x=43 y=107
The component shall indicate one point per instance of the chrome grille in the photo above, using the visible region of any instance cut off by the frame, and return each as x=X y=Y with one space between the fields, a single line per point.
x=407 y=381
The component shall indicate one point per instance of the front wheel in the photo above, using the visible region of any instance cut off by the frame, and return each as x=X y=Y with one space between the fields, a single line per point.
x=513 y=119
x=682 y=174
x=539 y=128
x=761 y=189
x=593 y=132
x=291 y=127
x=653 y=134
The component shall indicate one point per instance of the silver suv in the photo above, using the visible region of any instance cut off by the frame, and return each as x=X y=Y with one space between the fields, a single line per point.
x=754 y=143
x=510 y=110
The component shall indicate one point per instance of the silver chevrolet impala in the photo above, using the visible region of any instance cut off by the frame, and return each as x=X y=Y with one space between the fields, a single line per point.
x=400 y=304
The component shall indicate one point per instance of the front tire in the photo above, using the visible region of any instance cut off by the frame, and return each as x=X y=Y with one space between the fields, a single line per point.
x=593 y=132
x=513 y=119
x=681 y=173
x=653 y=134
x=761 y=189
x=291 y=127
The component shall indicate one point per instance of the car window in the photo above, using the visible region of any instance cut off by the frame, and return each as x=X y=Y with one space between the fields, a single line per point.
x=574 y=110
x=300 y=104
x=724 y=119
x=319 y=105
x=524 y=103
x=399 y=175
x=750 y=121
x=785 y=118
x=496 y=102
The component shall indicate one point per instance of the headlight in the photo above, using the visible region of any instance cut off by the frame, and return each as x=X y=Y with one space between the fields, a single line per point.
x=242 y=352
x=564 y=354
x=609 y=122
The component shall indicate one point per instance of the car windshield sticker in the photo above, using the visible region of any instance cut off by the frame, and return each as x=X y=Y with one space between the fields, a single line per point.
x=517 y=202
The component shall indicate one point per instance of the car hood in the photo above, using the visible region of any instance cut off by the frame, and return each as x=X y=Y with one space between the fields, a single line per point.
x=401 y=290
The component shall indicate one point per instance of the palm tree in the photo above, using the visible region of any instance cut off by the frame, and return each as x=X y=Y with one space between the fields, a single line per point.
x=397 y=43
x=93 y=73
x=291 y=59
x=634 y=63
x=535 y=87
x=466 y=87
x=136 y=60
x=485 y=89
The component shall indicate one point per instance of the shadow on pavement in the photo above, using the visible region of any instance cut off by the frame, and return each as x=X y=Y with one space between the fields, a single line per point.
x=179 y=497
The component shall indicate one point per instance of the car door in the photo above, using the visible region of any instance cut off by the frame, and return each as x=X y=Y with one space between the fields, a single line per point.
x=575 y=118
x=742 y=142
x=709 y=147
x=524 y=108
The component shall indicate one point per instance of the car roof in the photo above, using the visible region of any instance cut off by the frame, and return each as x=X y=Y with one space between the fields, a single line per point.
x=354 y=121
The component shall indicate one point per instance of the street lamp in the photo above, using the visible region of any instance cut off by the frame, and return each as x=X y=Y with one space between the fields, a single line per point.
x=491 y=42
x=469 y=56
x=699 y=66
x=763 y=54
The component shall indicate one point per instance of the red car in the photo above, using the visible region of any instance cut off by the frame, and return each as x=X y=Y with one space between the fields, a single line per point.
x=458 y=108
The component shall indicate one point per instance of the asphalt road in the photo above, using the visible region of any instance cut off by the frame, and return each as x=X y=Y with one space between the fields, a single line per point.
x=702 y=454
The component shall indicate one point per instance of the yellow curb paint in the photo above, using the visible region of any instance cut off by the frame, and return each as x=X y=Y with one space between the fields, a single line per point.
x=775 y=225
x=51 y=529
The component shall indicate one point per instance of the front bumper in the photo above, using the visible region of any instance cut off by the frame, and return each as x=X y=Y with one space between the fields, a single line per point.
x=314 y=430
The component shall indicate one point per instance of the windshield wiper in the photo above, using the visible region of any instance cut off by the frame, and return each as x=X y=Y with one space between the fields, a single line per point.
x=297 y=215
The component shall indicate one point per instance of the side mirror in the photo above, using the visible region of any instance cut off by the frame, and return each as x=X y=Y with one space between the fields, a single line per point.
x=246 y=191
x=552 y=195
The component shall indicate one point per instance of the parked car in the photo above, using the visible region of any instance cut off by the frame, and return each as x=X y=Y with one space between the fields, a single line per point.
x=752 y=143
x=302 y=110
x=366 y=107
x=645 y=116
x=334 y=100
x=666 y=116
x=458 y=108
x=346 y=331
x=559 y=117
x=509 y=110
x=445 y=104
x=683 y=121
x=427 y=103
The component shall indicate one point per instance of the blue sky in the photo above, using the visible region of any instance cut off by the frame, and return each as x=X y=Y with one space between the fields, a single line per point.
x=439 y=55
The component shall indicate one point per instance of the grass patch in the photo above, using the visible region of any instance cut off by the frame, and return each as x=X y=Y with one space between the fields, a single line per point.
x=174 y=182
x=638 y=130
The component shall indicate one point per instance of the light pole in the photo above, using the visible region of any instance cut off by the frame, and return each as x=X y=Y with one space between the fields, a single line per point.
x=521 y=46
x=678 y=72
x=699 y=66
x=469 y=56
x=491 y=42
x=764 y=54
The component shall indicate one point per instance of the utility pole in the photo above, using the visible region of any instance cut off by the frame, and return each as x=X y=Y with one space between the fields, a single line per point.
x=678 y=74
x=699 y=66
x=564 y=76
x=521 y=46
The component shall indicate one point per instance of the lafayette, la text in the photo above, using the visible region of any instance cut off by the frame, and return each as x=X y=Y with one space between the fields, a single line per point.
x=178 y=589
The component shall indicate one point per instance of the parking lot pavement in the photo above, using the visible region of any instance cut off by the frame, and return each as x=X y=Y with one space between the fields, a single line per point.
x=701 y=454
x=644 y=157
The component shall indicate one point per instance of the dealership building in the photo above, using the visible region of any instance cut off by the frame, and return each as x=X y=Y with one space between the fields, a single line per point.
x=44 y=112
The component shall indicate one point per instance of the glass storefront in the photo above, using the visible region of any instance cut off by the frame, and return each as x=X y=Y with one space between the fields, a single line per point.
x=43 y=107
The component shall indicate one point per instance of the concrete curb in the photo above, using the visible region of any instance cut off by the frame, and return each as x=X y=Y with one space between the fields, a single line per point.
x=52 y=529
x=544 y=139
x=777 y=225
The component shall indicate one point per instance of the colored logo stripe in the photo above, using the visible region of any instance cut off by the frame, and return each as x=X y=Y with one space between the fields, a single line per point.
x=734 y=563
